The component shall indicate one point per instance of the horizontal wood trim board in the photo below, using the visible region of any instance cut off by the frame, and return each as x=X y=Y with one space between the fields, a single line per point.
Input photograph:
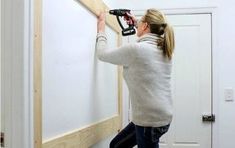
x=86 y=136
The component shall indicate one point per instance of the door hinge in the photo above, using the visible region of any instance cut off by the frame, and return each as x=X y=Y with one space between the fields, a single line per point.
x=208 y=118
x=2 y=139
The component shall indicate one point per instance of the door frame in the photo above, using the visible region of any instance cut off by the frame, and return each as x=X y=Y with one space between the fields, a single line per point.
x=213 y=11
x=16 y=84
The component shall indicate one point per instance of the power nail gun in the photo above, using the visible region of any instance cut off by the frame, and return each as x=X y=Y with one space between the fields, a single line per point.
x=120 y=13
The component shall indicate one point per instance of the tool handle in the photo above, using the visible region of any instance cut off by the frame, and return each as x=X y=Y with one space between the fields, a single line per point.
x=127 y=31
x=129 y=20
x=119 y=22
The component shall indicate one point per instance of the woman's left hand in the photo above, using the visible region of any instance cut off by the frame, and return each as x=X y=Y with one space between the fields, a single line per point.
x=101 y=23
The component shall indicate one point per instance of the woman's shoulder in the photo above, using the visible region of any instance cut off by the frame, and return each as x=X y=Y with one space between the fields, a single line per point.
x=133 y=47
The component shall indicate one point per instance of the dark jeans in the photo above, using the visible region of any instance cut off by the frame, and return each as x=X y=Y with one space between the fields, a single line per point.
x=144 y=137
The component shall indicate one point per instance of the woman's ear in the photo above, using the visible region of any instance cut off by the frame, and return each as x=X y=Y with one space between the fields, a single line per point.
x=145 y=26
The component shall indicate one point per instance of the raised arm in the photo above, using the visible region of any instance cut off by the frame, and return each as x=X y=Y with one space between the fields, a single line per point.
x=123 y=55
x=120 y=56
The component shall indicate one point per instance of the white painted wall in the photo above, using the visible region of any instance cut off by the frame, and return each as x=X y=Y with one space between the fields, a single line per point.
x=69 y=60
x=224 y=126
x=226 y=40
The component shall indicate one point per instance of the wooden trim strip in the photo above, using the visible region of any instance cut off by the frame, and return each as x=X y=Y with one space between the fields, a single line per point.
x=37 y=73
x=120 y=85
x=86 y=136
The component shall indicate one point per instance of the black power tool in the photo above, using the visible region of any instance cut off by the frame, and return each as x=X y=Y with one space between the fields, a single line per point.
x=123 y=13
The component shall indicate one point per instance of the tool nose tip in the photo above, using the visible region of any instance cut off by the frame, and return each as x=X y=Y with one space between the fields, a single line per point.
x=111 y=11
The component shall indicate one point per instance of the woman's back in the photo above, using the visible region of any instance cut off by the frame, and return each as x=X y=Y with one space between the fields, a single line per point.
x=148 y=78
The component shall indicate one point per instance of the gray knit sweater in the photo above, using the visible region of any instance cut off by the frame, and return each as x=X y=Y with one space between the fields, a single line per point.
x=148 y=76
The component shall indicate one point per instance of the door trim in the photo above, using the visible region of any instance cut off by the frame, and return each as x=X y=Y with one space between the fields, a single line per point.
x=15 y=72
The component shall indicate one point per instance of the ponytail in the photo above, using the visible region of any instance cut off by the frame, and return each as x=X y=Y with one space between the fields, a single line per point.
x=169 y=42
x=158 y=25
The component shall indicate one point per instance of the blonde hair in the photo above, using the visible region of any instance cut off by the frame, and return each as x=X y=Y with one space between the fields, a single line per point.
x=158 y=25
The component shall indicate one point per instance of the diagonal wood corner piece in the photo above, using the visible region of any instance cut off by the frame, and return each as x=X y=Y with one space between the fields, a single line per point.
x=86 y=136
x=97 y=6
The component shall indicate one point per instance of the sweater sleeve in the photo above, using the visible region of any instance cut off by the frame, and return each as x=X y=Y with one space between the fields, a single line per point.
x=123 y=55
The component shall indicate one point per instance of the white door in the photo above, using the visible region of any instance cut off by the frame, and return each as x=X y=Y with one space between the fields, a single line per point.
x=191 y=82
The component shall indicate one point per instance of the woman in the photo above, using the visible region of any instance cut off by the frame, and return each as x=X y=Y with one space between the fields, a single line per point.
x=147 y=71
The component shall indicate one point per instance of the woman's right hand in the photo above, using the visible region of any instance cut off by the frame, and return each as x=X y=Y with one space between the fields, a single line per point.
x=132 y=19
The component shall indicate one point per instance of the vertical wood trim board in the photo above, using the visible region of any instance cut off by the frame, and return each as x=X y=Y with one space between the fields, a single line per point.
x=37 y=73
x=120 y=84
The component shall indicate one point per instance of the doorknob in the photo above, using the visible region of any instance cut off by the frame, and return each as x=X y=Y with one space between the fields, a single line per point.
x=2 y=140
x=208 y=118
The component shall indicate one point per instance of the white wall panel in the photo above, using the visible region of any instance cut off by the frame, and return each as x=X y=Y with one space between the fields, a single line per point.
x=78 y=90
